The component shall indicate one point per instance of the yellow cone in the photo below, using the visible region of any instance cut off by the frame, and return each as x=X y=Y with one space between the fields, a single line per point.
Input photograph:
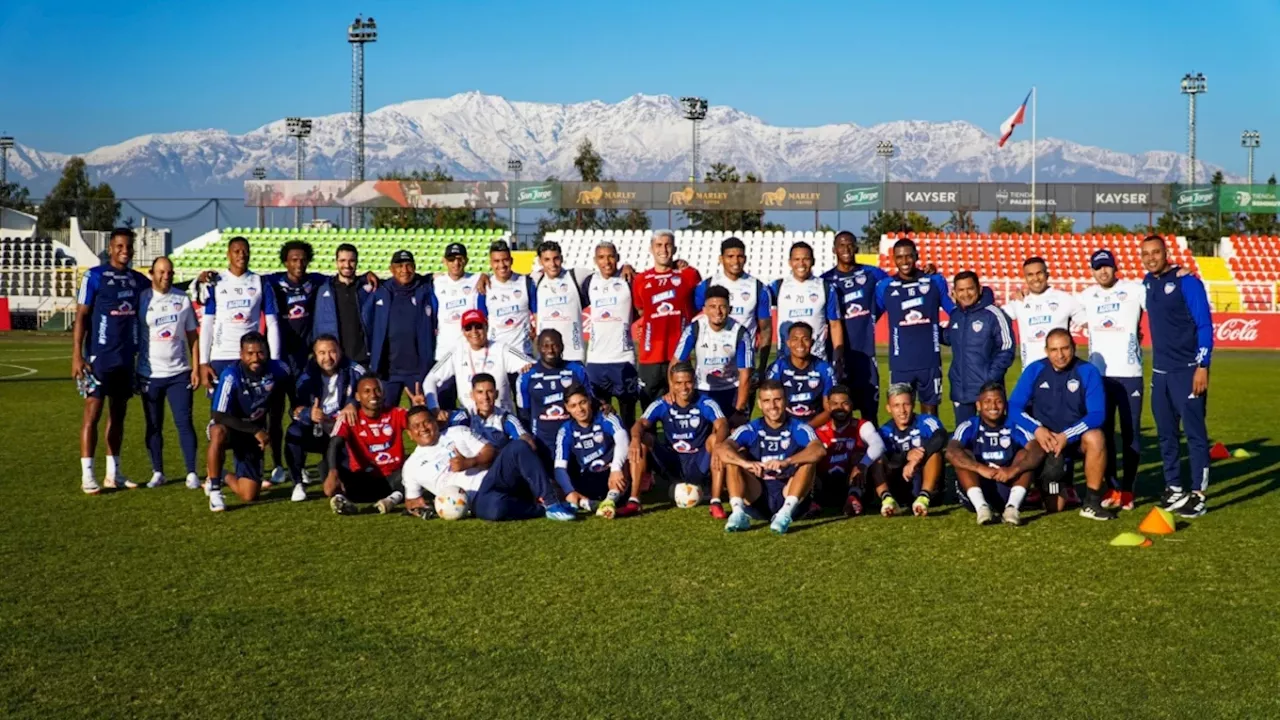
x=1129 y=539
x=1157 y=522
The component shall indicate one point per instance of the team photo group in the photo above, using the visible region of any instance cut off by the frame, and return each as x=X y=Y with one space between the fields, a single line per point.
x=570 y=392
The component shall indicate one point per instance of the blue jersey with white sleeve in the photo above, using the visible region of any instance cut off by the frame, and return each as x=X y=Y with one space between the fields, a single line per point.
x=994 y=445
x=762 y=442
x=914 y=308
x=803 y=389
x=112 y=296
x=686 y=429
x=541 y=393
x=1071 y=401
x=500 y=428
x=1180 y=319
x=246 y=396
x=856 y=296
x=900 y=441
x=295 y=304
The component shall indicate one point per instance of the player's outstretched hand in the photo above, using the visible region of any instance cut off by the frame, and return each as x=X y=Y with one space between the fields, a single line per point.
x=208 y=377
x=416 y=397
x=348 y=414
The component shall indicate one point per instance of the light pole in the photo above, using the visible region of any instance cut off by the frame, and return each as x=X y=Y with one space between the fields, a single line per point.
x=359 y=34
x=1249 y=140
x=298 y=129
x=1192 y=85
x=885 y=150
x=514 y=166
x=6 y=144
x=260 y=173
x=695 y=110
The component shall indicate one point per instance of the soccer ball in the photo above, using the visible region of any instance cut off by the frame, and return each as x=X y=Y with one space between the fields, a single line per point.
x=451 y=503
x=687 y=495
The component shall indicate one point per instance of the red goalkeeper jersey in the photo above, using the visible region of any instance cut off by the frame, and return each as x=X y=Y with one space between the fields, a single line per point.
x=845 y=447
x=375 y=443
x=664 y=301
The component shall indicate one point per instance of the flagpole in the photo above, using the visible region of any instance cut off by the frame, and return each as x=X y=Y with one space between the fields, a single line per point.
x=1033 y=158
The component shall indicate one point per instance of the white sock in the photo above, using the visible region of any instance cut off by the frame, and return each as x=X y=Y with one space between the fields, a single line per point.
x=113 y=465
x=736 y=503
x=86 y=466
x=715 y=501
x=634 y=499
x=1016 y=495
x=790 y=503
x=396 y=497
x=976 y=497
x=614 y=495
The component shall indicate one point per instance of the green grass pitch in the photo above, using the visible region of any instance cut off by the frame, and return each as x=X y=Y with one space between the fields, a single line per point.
x=142 y=603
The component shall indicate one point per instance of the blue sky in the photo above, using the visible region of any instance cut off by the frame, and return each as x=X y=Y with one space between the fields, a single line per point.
x=82 y=74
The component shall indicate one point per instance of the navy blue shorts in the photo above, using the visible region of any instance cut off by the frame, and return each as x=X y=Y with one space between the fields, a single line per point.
x=905 y=492
x=964 y=411
x=613 y=380
x=862 y=377
x=247 y=454
x=927 y=382
x=724 y=399
x=113 y=382
x=772 y=497
x=683 y=467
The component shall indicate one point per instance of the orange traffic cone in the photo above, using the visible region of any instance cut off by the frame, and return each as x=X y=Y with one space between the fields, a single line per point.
x=1219 y=452
x=1157 y=522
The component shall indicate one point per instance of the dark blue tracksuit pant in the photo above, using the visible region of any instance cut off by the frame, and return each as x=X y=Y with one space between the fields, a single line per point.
x=1124 y=399
x=299 y=440
x=177 y=392
x=513 y=486
x=1172 y=405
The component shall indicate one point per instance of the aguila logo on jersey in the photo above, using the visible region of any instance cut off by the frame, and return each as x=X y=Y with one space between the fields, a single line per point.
x=1073 y=385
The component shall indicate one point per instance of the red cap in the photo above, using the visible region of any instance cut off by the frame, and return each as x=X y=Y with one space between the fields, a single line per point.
x=474 y=316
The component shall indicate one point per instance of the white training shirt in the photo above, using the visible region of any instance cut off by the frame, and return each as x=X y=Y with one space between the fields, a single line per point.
x=164 y=352
x=1114 y=315
x=744 y=301
x=717 y=355
x=496 y=358
x=560 y=308
x=453 y=297
x=235 y=307
x=509 y=314
x=608 y=303
x=803 y=301
x=428 y=467
x=1036 y=315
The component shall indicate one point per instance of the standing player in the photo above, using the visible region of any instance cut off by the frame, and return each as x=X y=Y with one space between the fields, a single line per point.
x=750 y=304
x=723 y=348
x=456 y=293
x=477 y=354
x=855 y=287
x=168 y=351
x=663 y=297
x=1113 y=311
x=913 y=300
x=542 y=392
x=591 y=458
x=770 y=465
x=107 y=327
x=692 y=426
x=558 y=303
x=238 y=302
x=1042 y=309
x=854 y=447
x=803 y=298
x=323 y=389
x=981 y=344
x=1059 y=402
x=511 y=299
x=374 y=447
x=805 y=379
x=1181 y=347
x=992 y=463
x=339 y=303
x=402 y=328
x=242 y=400
x=611 y=349
x=913 y=457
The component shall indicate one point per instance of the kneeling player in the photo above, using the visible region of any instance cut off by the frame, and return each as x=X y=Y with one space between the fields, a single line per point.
x=992 y=465
x=245 y=393
x=374 y=445
x=770 y=465
x=854 y=447
x=692 y=425
x=591 y=458
x=913 y=459
x=806 y=379
x=507 y=485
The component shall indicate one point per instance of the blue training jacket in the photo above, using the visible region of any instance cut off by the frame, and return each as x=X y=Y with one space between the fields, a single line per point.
x=982 y=347
x=377 y=319
x=1070 y=401
x=325 y=320
x=1180 y=320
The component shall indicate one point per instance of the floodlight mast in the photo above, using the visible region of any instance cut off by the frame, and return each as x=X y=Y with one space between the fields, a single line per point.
x=885 y=150
x=298 y=129
x=359 y=33
x=1250 y=140
x=695 y=110
x=1191 y=86
x=514 y=166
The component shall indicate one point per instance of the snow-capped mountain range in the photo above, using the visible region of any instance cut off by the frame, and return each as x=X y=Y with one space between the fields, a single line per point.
x=644 y=137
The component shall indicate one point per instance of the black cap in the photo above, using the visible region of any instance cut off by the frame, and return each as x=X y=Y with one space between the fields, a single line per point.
x=402 y=256
x=455 y=249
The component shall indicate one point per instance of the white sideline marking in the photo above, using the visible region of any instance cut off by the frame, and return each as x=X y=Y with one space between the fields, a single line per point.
x=27 y=371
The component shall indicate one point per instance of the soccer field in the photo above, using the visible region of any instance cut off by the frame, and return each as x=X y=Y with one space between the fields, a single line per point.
x=143 y=603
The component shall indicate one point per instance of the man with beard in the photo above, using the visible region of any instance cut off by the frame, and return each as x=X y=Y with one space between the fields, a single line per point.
x=324 y=388
x=854 y=449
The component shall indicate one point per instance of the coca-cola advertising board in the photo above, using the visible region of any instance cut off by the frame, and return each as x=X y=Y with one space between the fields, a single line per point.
x=1256 y=331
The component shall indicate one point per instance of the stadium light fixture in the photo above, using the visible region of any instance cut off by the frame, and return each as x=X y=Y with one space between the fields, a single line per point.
x=514 y=166
x=695 y=111
x=6 y=144
x=360 y=33
x=299 y=129
x=1191 y=86
x=885 y=150
x=1250 y=140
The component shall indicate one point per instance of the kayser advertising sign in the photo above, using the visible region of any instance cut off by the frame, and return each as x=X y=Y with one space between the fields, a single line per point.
x=1256 y=331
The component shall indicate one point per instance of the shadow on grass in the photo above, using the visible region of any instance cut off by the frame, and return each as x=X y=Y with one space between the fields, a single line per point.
x=1262 y=456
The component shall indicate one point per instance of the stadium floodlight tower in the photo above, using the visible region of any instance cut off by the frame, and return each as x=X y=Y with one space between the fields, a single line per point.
x=298 y=129
x=359 y=33
x=695 y=110
x=514 y=166
x=1249 y=140
x=1192 y=85
x=885 y=150
x=260 y=173
x=6 y=144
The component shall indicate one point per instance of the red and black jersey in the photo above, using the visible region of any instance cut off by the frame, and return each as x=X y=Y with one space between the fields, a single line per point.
x=664 y=301
x=375 y=443
x=845 y=447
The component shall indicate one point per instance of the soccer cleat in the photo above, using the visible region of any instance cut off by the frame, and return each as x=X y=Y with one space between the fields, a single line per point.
x=1126 y=500
x=299 y=492
x=1070 y=496
x=157 y=479
x=984 y=514
x=781 y=523
x=278 y=477
x=388 y=504
x=889 y=507
x=921 y=506
x=1193 y=506
x=1112 y=500
x=1172 y=498
x=89 y=486
x=426 y=512
x=562 y=512
x=606 y=509
x=118 y=482
x=852 y=506
x=717 y=511
x=216 y=503
x=631 y=509
x=342 y=506
x=1011 y=516
x=205 y=486
x=193 y=481
x=306 y=477
x=737 y=522
x=1034 y=497
x=1096 y=513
